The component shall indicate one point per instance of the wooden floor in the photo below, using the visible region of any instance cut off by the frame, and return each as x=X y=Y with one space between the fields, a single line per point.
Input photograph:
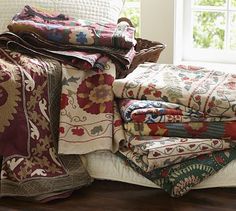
x=104 y=195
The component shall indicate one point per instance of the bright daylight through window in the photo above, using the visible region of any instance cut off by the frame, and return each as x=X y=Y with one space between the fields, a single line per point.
x=209 y=30
x=132 y=11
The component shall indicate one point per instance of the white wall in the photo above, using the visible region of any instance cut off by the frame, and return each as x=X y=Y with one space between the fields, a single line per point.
x=157 y=24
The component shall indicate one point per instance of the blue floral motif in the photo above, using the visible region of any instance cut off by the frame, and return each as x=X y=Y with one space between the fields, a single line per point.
x=81 y=38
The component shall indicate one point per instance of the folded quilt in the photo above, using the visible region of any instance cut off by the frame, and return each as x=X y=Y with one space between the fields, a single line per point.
x=208 y=91
x=64 y=29
x=82 y=57
x=184 y=130
x=148 y=111
x=152 y=152
x=178 y=179
x=31 y=167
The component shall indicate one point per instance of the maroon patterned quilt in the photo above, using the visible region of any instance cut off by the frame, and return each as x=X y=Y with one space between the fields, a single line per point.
x=29 y=97
x=62 y=37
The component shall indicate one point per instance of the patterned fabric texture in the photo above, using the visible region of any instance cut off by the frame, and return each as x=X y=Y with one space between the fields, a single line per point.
x=152 y=152
x=96 y=11
x=208 y=91
x=66 y=30
x=80 y=43
x=178 y=179
x=87 y=121
x=148 y=111
x=184 y=130
x=79 y=56
x=179 y=123
x=31 y=166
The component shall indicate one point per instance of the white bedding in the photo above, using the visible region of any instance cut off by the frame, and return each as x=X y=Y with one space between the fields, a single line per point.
x=105 y=165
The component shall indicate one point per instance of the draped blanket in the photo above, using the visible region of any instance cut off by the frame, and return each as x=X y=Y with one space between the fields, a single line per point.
x=31 y=167
x=88 y=119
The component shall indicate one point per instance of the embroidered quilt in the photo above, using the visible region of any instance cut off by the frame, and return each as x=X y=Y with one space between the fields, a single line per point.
x=179 y=179
x=204 y=90
x=87 y=120
x=152 y=152
x=184 y=130
x=31 y=167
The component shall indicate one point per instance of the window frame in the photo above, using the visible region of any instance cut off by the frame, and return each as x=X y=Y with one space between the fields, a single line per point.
x=183 y=50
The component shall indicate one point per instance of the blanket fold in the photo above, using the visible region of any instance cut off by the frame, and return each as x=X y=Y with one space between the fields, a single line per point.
x=152 y=152
x=204 y=90
x=179 y=179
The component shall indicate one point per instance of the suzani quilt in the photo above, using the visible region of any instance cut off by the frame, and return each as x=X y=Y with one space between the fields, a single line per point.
x=58 y=98
x=88 y=117
x=204 y=90
x=179 y=123
x=29 y=98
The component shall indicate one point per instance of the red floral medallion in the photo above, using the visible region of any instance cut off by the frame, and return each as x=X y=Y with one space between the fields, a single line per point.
x=94 y=95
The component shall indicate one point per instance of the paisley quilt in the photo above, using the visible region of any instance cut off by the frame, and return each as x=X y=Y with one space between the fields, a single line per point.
x=64 y=29
x=61 y=37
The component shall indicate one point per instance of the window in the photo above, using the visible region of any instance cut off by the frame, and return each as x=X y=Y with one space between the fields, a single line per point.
x=208 y=30
x=132 y=11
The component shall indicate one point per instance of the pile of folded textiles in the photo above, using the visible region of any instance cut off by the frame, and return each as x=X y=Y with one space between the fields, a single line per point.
x=79 y=43
x=55 y=67
x=179 y=123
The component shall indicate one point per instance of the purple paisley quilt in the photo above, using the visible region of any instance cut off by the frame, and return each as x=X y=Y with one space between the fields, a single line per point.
x=66 y=30
x=64 y=38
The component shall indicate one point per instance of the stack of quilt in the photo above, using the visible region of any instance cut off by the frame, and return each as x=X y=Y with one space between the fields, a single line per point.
x=179 y=123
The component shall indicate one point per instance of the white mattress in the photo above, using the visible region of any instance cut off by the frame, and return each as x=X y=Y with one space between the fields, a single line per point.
x=107 y=166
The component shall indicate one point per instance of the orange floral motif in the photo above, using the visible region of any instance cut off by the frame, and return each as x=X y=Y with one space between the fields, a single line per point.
x=94 y=95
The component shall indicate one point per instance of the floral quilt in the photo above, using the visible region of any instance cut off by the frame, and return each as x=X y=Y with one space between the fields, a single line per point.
x=208 y=91
x=179 y=179
x=153 y=152
x=87 y=119
x=31 y=167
